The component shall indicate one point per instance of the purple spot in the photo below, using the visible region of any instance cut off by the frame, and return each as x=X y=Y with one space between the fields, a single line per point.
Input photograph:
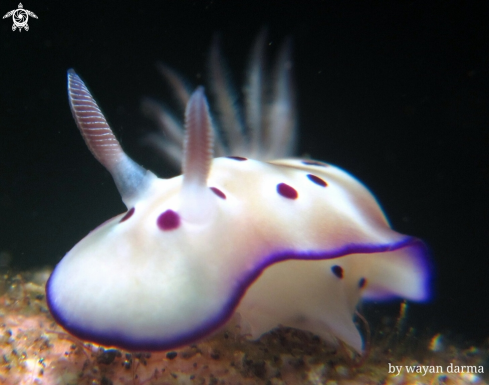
x=240 y=158
x=313 y=163
x=338 y=271
x=317 y=180
x=169 y=220
x=128 y=215
x=218 y=192
x=286 y=191
x=362 y=283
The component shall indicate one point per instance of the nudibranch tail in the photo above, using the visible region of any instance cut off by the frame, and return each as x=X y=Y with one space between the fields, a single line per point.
x=101 y=141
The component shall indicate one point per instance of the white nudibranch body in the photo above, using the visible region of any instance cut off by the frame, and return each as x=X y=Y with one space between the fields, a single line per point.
x=290 y=242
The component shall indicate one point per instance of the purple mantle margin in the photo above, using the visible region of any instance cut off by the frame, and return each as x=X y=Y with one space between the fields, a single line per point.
x=419 y=252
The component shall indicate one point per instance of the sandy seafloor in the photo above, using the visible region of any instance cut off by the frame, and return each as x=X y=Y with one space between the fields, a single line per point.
x=35 y=350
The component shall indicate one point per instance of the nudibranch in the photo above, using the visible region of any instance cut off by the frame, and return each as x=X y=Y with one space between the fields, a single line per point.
x=280 y=240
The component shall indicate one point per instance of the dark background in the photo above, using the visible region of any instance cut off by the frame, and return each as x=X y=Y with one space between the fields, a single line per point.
x=395 y=92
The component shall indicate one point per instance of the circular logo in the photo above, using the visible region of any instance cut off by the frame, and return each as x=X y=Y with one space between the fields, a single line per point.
x=20 y=18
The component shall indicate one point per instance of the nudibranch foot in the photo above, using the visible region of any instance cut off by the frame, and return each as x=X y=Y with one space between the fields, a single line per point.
x=285 y=241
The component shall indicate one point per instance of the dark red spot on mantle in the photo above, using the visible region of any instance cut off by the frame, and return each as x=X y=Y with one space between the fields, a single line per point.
x=313 y=163
x=338 y=271
x=317 y=180
x=362 y=283
x=128 y=215
x=169 y=220
x=240 y=158
x=287 y=191
x=218 y=192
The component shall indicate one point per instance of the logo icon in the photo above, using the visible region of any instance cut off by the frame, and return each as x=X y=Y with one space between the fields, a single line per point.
x=20 y=17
